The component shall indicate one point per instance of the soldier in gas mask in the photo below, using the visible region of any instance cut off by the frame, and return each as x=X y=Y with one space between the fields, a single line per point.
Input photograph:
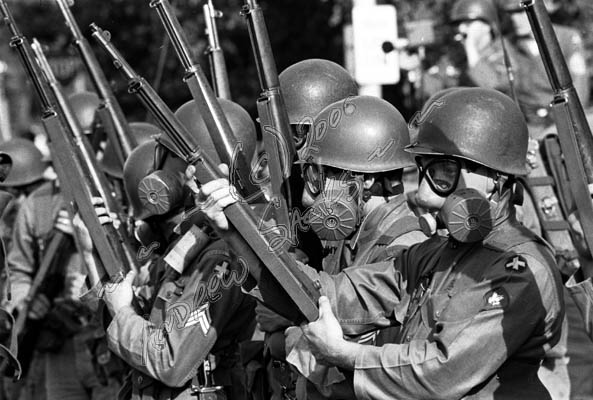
x=195 y=312
x=477 y=308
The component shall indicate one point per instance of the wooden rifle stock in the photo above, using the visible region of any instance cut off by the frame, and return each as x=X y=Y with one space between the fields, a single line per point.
x=243 y=237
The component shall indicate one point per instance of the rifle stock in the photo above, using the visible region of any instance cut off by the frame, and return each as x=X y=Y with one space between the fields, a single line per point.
x=573 y=129
x=220 y=77
x=243 y=237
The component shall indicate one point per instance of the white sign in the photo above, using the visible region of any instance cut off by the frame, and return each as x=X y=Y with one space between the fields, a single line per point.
x=374 y=26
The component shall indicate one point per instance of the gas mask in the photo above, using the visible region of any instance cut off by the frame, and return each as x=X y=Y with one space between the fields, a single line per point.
x=337 y=209
x=163 y=190
x=466 y=213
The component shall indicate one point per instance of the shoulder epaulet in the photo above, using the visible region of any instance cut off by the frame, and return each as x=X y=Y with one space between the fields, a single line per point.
x=512 y=238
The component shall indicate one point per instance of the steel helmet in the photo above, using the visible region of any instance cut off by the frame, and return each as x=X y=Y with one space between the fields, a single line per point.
x=481 y=125
x=142 y=132
x=27 y=162
x=310 y=85
x=239 y=120
x=84 y=105
x=468 y=10
x=140 y=164
x=365 y=134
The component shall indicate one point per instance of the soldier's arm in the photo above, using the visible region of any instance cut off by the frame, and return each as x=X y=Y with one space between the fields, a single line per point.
x=471 y=339
x=194 y=317
x=582 y=294
x=21 y=256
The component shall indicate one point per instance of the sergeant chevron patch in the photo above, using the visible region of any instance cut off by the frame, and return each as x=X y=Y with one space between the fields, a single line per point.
x=200 y=316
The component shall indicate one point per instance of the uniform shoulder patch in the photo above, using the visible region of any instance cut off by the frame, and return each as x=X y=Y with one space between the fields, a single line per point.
x=496 y=298
x=516 y=263
x=200 y=316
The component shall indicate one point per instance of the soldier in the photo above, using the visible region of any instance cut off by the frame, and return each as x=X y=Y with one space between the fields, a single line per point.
x=353 y=166
x=353 y=189
x=478 y=308
x=187 y=343
x=571 y=363
x=8 y=348
x=308 y=87
x=536 y=94
x=479 y=32
x=29 y=170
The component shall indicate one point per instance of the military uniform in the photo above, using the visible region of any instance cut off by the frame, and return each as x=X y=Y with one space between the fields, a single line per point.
x=582 y=293
x=387 y=230
x=476 y=318
x=533 y=87
x=197 y=310
x=65 y=328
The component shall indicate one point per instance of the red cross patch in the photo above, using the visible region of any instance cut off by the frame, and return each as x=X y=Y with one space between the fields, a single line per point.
x=517 y=263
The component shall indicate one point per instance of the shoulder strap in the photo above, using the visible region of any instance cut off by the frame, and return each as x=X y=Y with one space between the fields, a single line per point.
x=404 y=225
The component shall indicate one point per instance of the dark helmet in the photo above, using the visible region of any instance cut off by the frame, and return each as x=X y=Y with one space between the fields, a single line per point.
x=241 y=124
x=468 y=10
x=142 y=132
x=141 y=163
x=84 y=105
x=311 y=85
x=476 y=124
x=27 y=162
x=365 y=134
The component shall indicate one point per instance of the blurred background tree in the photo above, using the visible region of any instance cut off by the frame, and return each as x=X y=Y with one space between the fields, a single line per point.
x=298 y=30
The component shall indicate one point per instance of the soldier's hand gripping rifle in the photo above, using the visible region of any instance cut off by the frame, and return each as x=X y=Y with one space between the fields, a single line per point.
x=79 y=184
x=273 y=117
x=573 y=130
x=244 y=237
x=109 y=111
x=220 y=77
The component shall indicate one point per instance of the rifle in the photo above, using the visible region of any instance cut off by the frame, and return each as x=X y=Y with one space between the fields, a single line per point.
x=79 y=183
x=574 y=133
x=244 y=237
x=229 y=149
x=220 y=77
x=84 y=152
x=273 y=117
x=109 y=111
